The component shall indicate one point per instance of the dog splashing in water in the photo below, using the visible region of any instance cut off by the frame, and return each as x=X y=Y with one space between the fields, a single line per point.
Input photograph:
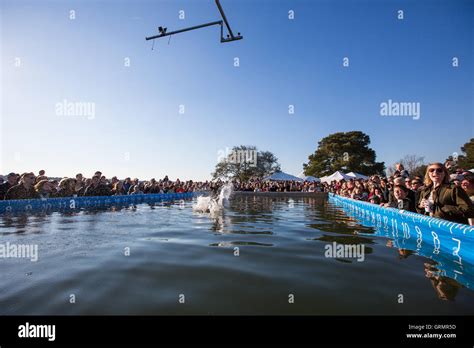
x=216 y=202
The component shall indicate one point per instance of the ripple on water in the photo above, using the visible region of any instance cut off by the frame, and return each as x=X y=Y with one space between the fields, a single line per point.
x=239 y=243
x=173 y=251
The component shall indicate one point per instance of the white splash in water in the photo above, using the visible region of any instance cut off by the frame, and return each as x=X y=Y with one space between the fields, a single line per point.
x=213 y=205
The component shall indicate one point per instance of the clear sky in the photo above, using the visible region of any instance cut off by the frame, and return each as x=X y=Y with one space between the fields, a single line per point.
x=137 y=129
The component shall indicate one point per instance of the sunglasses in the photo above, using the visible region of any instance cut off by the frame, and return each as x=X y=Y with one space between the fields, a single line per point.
x=438 y=170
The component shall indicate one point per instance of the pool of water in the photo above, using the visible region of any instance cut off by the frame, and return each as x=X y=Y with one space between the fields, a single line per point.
x=260 y=256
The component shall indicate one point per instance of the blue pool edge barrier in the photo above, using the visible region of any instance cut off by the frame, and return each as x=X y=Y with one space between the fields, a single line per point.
x=75 y=203
x=376 y=213
x=449 y=244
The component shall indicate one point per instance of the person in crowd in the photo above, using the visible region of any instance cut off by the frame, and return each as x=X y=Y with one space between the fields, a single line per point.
x=113 y=181
x=384 y=190
x=371 y=191
x=450 y=166
x=96 y=188
x=378 y=194
x=401 y=169
x=375 y=200
x=103 y=180
x=148 y=187
x=467 y=185
x=356 y=194
x=67 y=188
x=79 y=184
x=442 y=200
x=402 y=202
x=171 y=187
x=84 y=184
x=39 y=178
x=12 y=180
x=400 y=181
x=54 y=186
x=133 y=183
x=408 y=182
x=416 y=185
x=154 y=187
x=136 y=190
x=43 y=189
x=24 y=190
x=41 y=173
x=127 y=183
x=117 y=189
x=455 y=179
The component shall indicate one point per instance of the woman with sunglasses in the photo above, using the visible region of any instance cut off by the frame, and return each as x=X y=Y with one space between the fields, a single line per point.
x=440 y=199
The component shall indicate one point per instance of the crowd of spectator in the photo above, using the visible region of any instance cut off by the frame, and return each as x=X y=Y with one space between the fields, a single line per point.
x=30 y=186
x=439 y=193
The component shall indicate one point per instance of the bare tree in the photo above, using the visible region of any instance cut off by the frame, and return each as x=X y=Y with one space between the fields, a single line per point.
x=412 y=163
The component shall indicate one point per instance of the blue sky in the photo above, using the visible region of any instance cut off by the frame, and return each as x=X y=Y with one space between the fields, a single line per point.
x=137 y=129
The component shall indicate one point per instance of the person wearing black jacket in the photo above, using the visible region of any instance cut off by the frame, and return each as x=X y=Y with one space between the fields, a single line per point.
x=11 y=181
x=409 y=193
x=402 y=201
x=416 y=186
x=439 y=199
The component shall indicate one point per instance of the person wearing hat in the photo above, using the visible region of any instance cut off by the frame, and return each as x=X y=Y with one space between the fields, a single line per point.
x=11 y=181
x=24 y=190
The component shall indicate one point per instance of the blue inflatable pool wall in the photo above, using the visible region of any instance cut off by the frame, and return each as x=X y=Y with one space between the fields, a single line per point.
x=76 y=203
x=450 y=244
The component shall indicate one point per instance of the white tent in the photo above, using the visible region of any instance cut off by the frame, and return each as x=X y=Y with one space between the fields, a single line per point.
x=280 y=176
x=357 y=175
x=338 y=176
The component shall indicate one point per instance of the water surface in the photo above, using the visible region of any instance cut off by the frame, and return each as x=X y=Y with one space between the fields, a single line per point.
x=175 y=251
